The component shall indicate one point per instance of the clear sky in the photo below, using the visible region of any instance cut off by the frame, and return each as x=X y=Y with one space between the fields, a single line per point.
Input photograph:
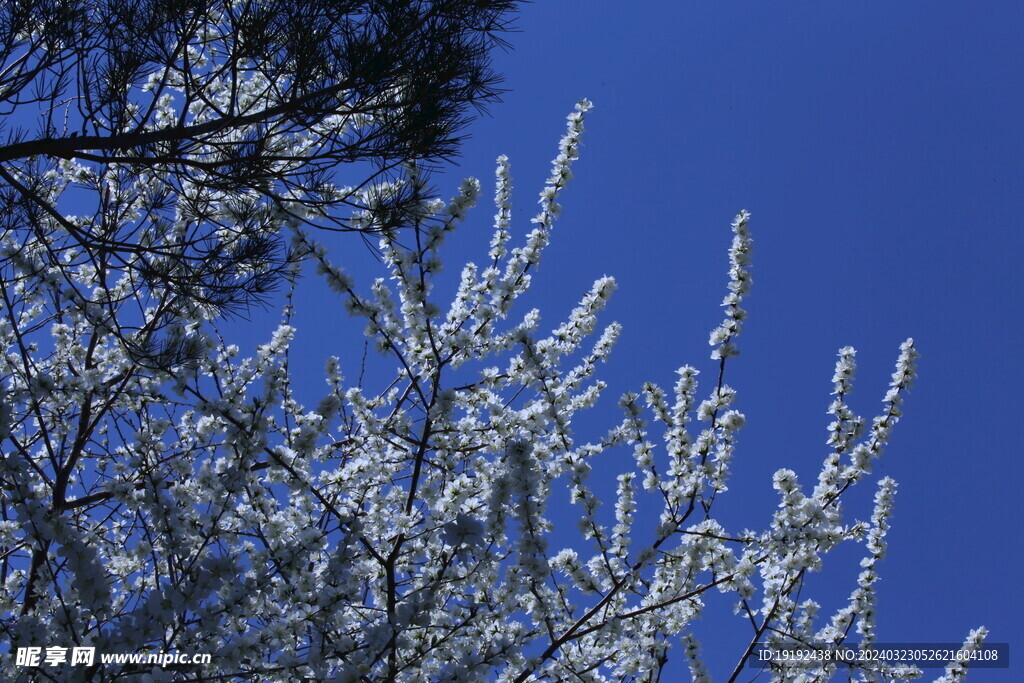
x=878 y=146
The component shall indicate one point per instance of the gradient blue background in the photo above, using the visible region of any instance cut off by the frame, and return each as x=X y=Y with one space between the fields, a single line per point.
x=878 y=146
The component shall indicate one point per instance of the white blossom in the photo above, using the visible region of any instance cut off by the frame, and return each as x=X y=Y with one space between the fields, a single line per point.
x=404 y=529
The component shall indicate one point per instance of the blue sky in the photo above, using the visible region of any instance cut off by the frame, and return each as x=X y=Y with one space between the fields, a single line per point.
x=878 y=148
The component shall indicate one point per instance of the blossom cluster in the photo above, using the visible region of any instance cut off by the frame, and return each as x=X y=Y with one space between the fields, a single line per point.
x=402 y=531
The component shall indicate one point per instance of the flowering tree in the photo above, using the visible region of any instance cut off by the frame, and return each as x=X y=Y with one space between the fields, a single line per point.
x=400 y=532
